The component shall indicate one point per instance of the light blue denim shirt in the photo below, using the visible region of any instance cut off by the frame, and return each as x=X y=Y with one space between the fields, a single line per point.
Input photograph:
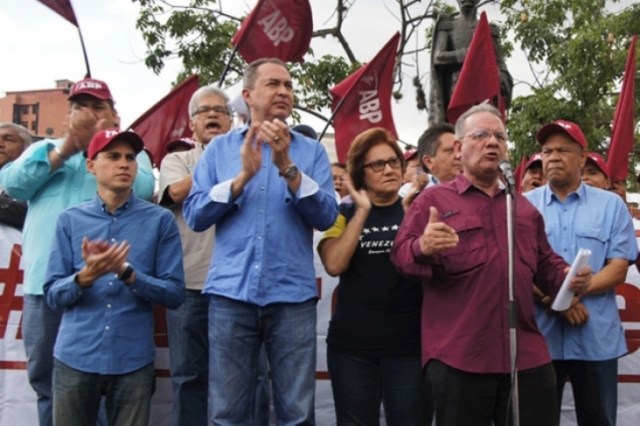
x=28 y=178
x=598 y=220
x=264 y=238
x=108 y=328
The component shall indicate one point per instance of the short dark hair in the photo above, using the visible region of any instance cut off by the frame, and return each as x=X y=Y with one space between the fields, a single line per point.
x=251 y=70
x=429 y=141
x=339 y=164
x=359 y=148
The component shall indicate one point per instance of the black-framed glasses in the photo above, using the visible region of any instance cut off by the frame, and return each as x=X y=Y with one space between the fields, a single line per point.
x=206 y=109
x=482 y=135
x=379 y=165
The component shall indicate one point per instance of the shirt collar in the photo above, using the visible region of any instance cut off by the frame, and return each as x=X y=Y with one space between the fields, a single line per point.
x=100 y=205
x=550 y=196
x=463 y=185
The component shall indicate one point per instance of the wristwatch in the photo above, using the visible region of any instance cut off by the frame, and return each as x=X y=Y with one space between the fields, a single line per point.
x=291 y=172
x=126 y=274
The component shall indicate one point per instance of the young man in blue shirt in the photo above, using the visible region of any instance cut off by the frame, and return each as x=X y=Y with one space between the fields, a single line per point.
x=111 y=259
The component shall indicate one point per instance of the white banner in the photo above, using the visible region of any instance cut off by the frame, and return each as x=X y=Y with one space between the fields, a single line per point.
x=17 y=399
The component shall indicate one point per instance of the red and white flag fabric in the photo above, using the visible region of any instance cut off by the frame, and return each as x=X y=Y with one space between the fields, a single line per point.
x=62 y=8
x=479 y=79
x=276 y=29
x=363 y=99
x=167 y=120
x=622 y=130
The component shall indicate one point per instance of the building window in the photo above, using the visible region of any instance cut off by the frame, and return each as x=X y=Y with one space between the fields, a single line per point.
x=34 y=127
x=24 y=109
x=34 y=109
x=24 y=124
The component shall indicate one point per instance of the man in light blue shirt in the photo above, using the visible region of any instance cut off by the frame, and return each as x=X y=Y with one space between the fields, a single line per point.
x=111 y=260
x=585 y=341
x=266 y=189
x=51 y=175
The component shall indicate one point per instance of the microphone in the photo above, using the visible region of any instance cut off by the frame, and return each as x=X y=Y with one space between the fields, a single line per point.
x=505 y=169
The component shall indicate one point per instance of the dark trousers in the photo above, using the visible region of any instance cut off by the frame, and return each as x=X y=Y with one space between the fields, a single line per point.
x=595 y=389
x=472 y=399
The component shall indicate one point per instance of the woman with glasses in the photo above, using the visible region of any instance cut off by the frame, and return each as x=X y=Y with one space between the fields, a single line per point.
x=373 y=344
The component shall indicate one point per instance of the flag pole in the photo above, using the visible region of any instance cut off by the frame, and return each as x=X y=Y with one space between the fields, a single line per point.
x=84 y=52
x=228 y=65
x=330 y=120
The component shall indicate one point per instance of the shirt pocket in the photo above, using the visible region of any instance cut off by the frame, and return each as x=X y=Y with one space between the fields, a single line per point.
x=592 y=236
x=471 y=251
x=527 y=245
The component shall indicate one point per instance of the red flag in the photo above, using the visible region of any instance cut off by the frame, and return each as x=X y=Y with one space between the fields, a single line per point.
x=167 y=120
x=479 y=78
x=363 y=100
x=519 y=172
x=276 y=28
x=623 y=126
x=62 y=8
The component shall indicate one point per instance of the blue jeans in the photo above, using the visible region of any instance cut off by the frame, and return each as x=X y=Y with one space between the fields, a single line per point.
x=360 y=384
x=595 y=389
x=39 y=330
x=237 y=331
x=187 y=329
x=76 y=396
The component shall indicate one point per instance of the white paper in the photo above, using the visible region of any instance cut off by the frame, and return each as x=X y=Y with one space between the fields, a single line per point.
x=562 y=301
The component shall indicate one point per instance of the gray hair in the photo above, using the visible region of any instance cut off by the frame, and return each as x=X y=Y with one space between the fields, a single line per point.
x=460 y=124
x=22 y=132
x=207 y=91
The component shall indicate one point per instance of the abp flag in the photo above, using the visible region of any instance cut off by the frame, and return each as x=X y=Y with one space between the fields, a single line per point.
x=167 y=120
x=623 y=128
x=363 y=99
x=62 y=8
x=479 y=78
x=276 y=29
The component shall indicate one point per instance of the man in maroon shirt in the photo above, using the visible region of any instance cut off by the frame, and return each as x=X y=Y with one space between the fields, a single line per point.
x=454 y=239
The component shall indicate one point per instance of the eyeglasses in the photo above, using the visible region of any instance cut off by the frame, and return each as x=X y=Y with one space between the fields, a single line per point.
x=379 y=165
x=482 y=135
x=205 y=109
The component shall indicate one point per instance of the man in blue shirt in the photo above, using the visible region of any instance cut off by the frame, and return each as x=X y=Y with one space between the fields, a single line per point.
x=586 y=341
x=266 y=189
x=51 y=175
x=111 y=259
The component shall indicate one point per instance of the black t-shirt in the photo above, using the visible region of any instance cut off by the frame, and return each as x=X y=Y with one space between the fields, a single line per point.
x=378 y=310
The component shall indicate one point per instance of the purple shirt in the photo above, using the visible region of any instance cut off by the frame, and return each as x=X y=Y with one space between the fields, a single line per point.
x=465 y=322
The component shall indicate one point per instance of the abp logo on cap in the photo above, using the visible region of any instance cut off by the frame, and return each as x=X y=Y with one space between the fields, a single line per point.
x=104 y=137
x=92 y=87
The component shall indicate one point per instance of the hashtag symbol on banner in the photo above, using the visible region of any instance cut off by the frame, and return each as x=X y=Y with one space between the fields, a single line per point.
x=11 y=277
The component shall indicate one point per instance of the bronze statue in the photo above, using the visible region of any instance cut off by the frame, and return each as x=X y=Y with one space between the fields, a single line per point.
x=451 y=38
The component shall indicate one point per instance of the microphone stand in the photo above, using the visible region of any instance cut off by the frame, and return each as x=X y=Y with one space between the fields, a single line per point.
x=513 y=312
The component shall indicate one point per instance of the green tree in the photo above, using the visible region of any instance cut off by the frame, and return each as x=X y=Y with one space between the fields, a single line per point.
x=202 y=30
x=577 y=51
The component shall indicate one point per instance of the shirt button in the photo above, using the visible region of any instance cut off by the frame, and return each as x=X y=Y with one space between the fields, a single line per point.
x=113 y=240
x=262 y=188
x=110 y=283
x=256 y=266
x=108 y=305
x=106 y=328
x=259 y=237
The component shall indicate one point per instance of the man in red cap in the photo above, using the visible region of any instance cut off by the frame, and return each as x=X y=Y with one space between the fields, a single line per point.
x=533 y=177
x=52 y=176
x=595 y=172
x=585 y=341
x=111 y=260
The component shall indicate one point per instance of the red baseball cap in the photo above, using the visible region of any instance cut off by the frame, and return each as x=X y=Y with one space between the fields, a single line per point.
x=185 y=142
x=92 y=87
x=535 y=158
x=562 y=126
x=409 y=154
x=599 y=162
x=104 y=137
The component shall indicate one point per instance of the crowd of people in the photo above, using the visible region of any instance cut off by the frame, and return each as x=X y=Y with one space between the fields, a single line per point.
x=418 y=240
